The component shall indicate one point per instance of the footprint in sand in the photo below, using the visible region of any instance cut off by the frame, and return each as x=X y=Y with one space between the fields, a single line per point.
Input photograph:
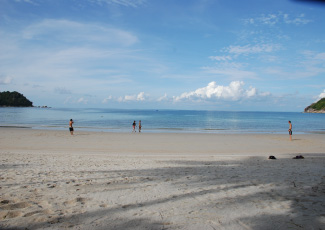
x=44 y=212
x=78 y=200
x=69 y=203
x=81 y=200
x=10 y=214
x=31 y=213
x=103 y=205
x=5 y=202
x=8 y=206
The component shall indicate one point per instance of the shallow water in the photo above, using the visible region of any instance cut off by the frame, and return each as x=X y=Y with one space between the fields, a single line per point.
x=189 y=121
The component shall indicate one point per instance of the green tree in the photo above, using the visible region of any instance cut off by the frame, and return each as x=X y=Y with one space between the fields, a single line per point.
x=319 y=105
x=14 y=99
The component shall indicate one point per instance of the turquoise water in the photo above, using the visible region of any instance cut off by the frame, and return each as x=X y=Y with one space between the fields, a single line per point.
x=117 y=120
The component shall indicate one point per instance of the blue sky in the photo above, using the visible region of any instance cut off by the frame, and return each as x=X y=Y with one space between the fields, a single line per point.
x=164 y=54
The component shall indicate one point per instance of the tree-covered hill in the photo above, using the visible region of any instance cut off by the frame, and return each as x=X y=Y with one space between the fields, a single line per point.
x=14 y=99
x=318 y=107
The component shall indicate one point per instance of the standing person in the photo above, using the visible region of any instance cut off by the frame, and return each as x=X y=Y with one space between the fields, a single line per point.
x=71 y=127
x=140 y=126
x=290 y=130
x=134 y=125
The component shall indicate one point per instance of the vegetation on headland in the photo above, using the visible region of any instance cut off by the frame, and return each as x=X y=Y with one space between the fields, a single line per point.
x=14 y=99
x=318 y=107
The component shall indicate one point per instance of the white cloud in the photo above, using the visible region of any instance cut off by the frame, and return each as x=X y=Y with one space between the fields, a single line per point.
x=278 y=18
x=109 y=98
x=234 y=92
x=251 y=92
x=73 y=32
x=53 y=51
x=252 y=49
x=82 y=100
x=299 y=20
x=26 y=1
x=320 y=56
x=140 y=97
x=163 y=98
x=270 y=19
x=221 y=58
x=322 y=95
x=5 y=80
x=127 y=3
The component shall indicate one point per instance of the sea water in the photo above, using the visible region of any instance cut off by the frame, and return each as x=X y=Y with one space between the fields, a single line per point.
x=182 y=121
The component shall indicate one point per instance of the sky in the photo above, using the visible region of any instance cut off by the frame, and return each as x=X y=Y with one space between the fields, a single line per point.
x=226 y=55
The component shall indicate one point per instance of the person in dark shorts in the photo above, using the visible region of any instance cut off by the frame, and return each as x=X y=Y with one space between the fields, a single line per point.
x=71 y=127
x=290 y=130
x=134 y=125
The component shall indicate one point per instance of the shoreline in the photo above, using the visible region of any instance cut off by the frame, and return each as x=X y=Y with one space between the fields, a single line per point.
x=97 y=180
x=160 y=130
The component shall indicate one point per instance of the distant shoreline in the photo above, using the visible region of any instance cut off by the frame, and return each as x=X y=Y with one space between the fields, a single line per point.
x=7 y=106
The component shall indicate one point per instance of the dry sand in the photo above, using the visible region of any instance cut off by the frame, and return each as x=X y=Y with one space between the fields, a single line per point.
x=51 y=180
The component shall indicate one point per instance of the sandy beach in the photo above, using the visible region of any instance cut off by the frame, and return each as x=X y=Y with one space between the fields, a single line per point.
x=97 y=180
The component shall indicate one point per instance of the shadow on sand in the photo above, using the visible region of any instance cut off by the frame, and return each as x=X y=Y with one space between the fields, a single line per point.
x=219 y=187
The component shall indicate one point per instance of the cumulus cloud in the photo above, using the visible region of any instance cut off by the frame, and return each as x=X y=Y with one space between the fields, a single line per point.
x=322 y=95
x=140 y=97
x=234 y=92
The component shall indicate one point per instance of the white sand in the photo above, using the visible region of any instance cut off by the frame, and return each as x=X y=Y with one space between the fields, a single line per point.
x=51 y=180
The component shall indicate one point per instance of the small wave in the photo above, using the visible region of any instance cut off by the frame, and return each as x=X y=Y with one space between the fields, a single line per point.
x=214 y=129
x=168 y=128
x=14 y=126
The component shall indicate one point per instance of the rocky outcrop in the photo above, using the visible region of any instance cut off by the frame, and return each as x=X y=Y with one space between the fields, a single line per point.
x=310 y=110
